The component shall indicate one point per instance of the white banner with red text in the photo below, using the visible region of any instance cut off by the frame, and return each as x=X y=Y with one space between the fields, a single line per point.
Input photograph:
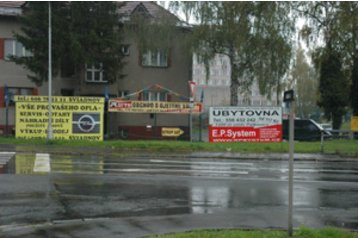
x=115 y=105
x=245 y=124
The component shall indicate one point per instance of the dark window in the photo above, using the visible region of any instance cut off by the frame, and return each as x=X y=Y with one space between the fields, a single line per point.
x=125 y=50
x=12 y=91
x=67 y=92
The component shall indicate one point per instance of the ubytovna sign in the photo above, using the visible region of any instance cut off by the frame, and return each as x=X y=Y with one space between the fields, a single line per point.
x=247 y=124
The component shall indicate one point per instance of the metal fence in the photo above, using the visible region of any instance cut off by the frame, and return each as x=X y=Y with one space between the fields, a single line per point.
x=338 y=134
x=344 y=134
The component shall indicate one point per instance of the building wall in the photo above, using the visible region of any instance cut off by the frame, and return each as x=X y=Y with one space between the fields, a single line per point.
x=11 y=75
x=174 y=77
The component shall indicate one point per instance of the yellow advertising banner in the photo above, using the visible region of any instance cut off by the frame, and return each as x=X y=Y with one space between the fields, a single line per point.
x=153 y=107
x=73 y=118
x=354 y=123
x=171 y=132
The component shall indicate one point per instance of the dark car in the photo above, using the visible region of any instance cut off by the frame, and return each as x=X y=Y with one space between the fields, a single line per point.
x=305 y=130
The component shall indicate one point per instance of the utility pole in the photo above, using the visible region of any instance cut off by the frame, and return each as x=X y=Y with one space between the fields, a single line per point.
x=49 y=128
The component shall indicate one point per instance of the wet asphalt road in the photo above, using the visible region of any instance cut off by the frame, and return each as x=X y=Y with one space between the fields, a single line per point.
x=133 y=196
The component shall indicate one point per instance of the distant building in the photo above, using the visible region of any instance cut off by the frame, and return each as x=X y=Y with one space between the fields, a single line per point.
x=217 y=86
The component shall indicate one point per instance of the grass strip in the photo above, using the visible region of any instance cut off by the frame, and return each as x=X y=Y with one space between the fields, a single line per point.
x=341 y=147
x=328 y=232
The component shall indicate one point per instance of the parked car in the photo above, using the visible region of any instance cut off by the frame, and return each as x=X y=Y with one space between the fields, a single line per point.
x=305 y=130
x=327 y=126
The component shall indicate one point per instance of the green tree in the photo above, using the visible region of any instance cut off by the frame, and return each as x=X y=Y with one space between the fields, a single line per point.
x=336 y=23
x=96 y=36
x=254 y=35
x=306 y=81
x=34 y=37
x=354 y=88
x=333 y=86
x=82 y=33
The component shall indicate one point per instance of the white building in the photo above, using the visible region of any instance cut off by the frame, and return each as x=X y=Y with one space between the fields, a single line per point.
x=217 y=86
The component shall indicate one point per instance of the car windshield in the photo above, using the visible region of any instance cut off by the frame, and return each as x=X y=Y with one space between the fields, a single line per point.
x=318 y=125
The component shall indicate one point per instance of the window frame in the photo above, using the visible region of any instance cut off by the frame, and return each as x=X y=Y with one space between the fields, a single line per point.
x=123 y=93
x=125 y=48
x=155 y=96
x=15 y=46
x=93 y=70
x=147 y=57
x=18 y=91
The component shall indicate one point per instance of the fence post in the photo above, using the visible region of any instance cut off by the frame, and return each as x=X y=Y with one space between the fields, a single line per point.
x=351 y=135
x=322 y=141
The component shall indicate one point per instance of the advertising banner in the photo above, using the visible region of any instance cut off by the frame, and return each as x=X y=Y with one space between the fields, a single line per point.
x=152 y=107
x=354 y=123
x=172 y=132
x=73 y=118
x=246 y=124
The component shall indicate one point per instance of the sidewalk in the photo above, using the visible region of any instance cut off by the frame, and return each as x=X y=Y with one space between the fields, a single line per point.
x=134 y=227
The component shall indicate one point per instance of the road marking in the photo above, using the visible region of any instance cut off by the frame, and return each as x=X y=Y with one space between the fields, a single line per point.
x=199 y=162
x=180 y=171
x=42 y=163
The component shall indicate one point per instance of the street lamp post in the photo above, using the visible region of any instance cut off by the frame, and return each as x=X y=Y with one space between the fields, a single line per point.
x=191 y=105
x=192 y=85
x=49 y=129
x=289 y=99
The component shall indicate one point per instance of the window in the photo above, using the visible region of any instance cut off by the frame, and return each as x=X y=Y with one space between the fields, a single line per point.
x=155 y=58
x=67 y=92
x=68 y=67
x=123 y=93
x=125 y=50
x=12 y=92
x=15 y=48
x=94 y=73
x=154 y=96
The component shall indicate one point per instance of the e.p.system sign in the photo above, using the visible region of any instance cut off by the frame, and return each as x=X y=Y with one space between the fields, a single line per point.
x=245 y=124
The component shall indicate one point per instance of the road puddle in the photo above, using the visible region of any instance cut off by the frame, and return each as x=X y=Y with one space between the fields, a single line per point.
x=42 y=164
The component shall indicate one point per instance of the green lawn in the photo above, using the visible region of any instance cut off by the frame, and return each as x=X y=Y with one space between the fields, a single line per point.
x=343 y=147
x=301 y=233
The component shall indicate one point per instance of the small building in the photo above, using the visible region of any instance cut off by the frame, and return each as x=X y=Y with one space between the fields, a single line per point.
x=168 y=68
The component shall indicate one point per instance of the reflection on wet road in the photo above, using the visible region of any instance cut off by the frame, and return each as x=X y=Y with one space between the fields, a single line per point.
x=53 y=188
x=225 y=168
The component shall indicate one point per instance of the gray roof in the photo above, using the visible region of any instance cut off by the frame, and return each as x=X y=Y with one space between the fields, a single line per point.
x=11 y=8
x=153 y=10
x=14 y=4
x=125 y=10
